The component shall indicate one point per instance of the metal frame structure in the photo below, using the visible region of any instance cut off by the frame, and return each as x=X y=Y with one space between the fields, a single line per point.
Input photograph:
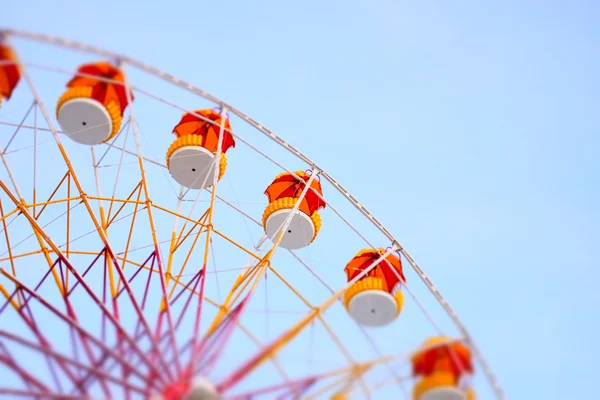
x=249 y=280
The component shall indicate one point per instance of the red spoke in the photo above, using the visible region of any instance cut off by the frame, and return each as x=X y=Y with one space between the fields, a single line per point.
x=123 y=353
x=85 y=272
x=78 y=327
x=29 y=320
x=166 y=312
x=29 y=394
x=8 y=354
x=25 y=376
x=199 y=275
x=196 y=335
x=209 y=350
x=51 y=353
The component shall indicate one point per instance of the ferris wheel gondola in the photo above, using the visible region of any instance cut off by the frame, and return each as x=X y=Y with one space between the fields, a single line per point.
x=91 y=110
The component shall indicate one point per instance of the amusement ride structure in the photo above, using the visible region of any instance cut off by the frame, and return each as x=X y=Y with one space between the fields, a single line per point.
x=160 y=249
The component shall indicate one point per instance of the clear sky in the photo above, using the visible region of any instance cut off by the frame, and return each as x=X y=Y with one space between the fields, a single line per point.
x=470 y=128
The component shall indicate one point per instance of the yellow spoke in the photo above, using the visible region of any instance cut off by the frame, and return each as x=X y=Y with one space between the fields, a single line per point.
x=130 y=233
x=185 y=262
x=68 y=233
x=201 y=225
x=9 y=247
x=288 y=336
x=14 y=211
x=52 y=194
x=21 y=255
x=39 y=234
x=6 y=294
x=112 y=201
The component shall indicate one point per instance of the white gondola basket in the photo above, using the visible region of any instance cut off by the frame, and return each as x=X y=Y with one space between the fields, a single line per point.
x=301 y=230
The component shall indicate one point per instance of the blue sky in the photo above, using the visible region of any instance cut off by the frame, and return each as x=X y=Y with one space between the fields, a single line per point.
x=479 y=120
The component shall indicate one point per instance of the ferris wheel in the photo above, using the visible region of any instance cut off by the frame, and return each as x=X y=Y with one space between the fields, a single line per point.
x=159 y=243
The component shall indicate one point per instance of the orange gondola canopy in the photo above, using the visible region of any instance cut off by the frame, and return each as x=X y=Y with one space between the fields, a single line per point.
x=110 y=88
x=207 y=126
x=287 y=185
x=9 y=71
x=385 y=269
x=442 y=355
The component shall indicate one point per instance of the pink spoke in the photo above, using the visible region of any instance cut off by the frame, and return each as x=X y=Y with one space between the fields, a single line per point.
x=25 y=376
x=164 y=336
x=100 y=254
x=191 y=292
x=196 y=278
x=137 y=335
x=140 y=268
x=46 y=349
x=73 y=343
x=29 y=394
x=7 y=354
x=104 y=292
x=77 y=327
x=212 y=347
x=31 y=323
x=115 y=321
x=31 y=320
x=196 y=335
x=66 y=359
x=181 y=351
x=26 y=299
x=104 y=357
x=167 y=311
x=86 y=346
x=71 y=314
